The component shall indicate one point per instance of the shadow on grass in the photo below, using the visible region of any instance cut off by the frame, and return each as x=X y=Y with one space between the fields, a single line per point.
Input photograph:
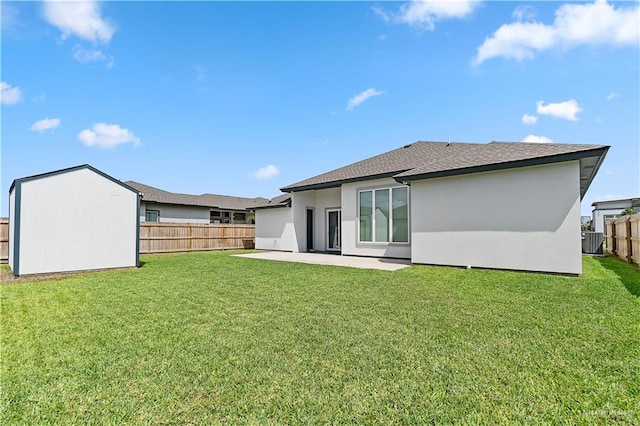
x=628 y=274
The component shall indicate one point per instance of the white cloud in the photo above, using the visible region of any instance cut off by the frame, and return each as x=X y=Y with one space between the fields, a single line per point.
x=612 y=95
x=84 y=56
x=266 y=172
x=524 y=13
x=82 y=19
x=9 y=95
x=108 y=136
x=45 y=124
x=529 y=119
x=425 y=13
x=537 y=139
x=361 y=97
x=591 y=24
x=567 y=110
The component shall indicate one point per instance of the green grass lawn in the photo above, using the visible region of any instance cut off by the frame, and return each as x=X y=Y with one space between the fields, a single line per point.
x=209 y=338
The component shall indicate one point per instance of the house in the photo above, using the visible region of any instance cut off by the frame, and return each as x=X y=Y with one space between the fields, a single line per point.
x=498 y=205
x=163 y=206
x=73 y=219
x=604 y=210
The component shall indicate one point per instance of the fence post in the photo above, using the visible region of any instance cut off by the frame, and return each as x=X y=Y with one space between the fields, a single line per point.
x=614 y=239
x=628 y=242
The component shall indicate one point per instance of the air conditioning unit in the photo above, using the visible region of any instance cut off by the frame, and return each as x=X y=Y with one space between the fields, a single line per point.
x=592 y=242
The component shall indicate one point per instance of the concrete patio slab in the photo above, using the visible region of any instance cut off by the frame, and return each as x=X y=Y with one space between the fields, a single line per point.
x=331 y=259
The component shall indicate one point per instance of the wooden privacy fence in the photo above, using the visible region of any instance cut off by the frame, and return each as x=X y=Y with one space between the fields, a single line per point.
x=173 y=237
x=182 y=237
x=4 y=240
x=623 y=237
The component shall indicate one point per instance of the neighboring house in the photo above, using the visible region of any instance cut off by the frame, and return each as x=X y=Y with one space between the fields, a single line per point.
x=585 y=223
x=73 y=219
x=498 y=205
x=163 y=206
x=604 y=210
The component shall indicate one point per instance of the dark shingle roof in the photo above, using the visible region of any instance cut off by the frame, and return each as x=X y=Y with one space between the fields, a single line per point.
x=226 y=202
x=282 y=200
x=423 y=160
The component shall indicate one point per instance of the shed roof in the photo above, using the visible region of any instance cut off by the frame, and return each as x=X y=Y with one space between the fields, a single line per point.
x=67 y=170
x=425 y=160
x=225 y=202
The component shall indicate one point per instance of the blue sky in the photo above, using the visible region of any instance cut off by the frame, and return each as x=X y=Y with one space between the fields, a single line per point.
x=243 y=98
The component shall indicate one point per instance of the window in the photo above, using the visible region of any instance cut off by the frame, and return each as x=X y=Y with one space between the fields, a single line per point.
x=216 y=216
x=384 y=215
x=152 y=216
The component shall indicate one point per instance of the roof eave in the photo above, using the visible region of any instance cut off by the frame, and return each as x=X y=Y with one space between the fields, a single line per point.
x=594 y=172
x=337 y=183
x=272 y=206
x=71 y=169
x=559 y=158
x=183 y=204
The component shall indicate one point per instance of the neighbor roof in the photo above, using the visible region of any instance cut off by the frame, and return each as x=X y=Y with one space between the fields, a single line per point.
x=225 y=202
x=425 y=160
x=630 y=200
x=283 y=200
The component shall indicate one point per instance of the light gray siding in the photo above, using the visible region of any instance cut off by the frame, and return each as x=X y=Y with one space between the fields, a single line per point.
x=274 y=229
x=522 y=219
x=176 y=214
x=76 y=220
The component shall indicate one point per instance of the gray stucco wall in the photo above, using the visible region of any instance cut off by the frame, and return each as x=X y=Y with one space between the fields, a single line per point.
x=325 y=199
x=300 y=201
x=78 y=220
x=522 y=219
x=274 y=229
x=319 y=201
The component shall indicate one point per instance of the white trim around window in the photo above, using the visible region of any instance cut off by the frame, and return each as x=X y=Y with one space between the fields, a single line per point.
x=383 y=215
x=152 y=216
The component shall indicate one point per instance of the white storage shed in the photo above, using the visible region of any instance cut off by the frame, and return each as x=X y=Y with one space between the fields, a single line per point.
x=73 y=219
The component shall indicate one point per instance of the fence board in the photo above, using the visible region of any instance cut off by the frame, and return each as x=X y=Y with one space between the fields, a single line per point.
x=184 y=237
x=4 y=240
x=623 y=237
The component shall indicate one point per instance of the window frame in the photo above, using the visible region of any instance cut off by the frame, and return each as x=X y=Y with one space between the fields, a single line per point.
x=373 y=241
x=223 y=216
x=157 y=212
